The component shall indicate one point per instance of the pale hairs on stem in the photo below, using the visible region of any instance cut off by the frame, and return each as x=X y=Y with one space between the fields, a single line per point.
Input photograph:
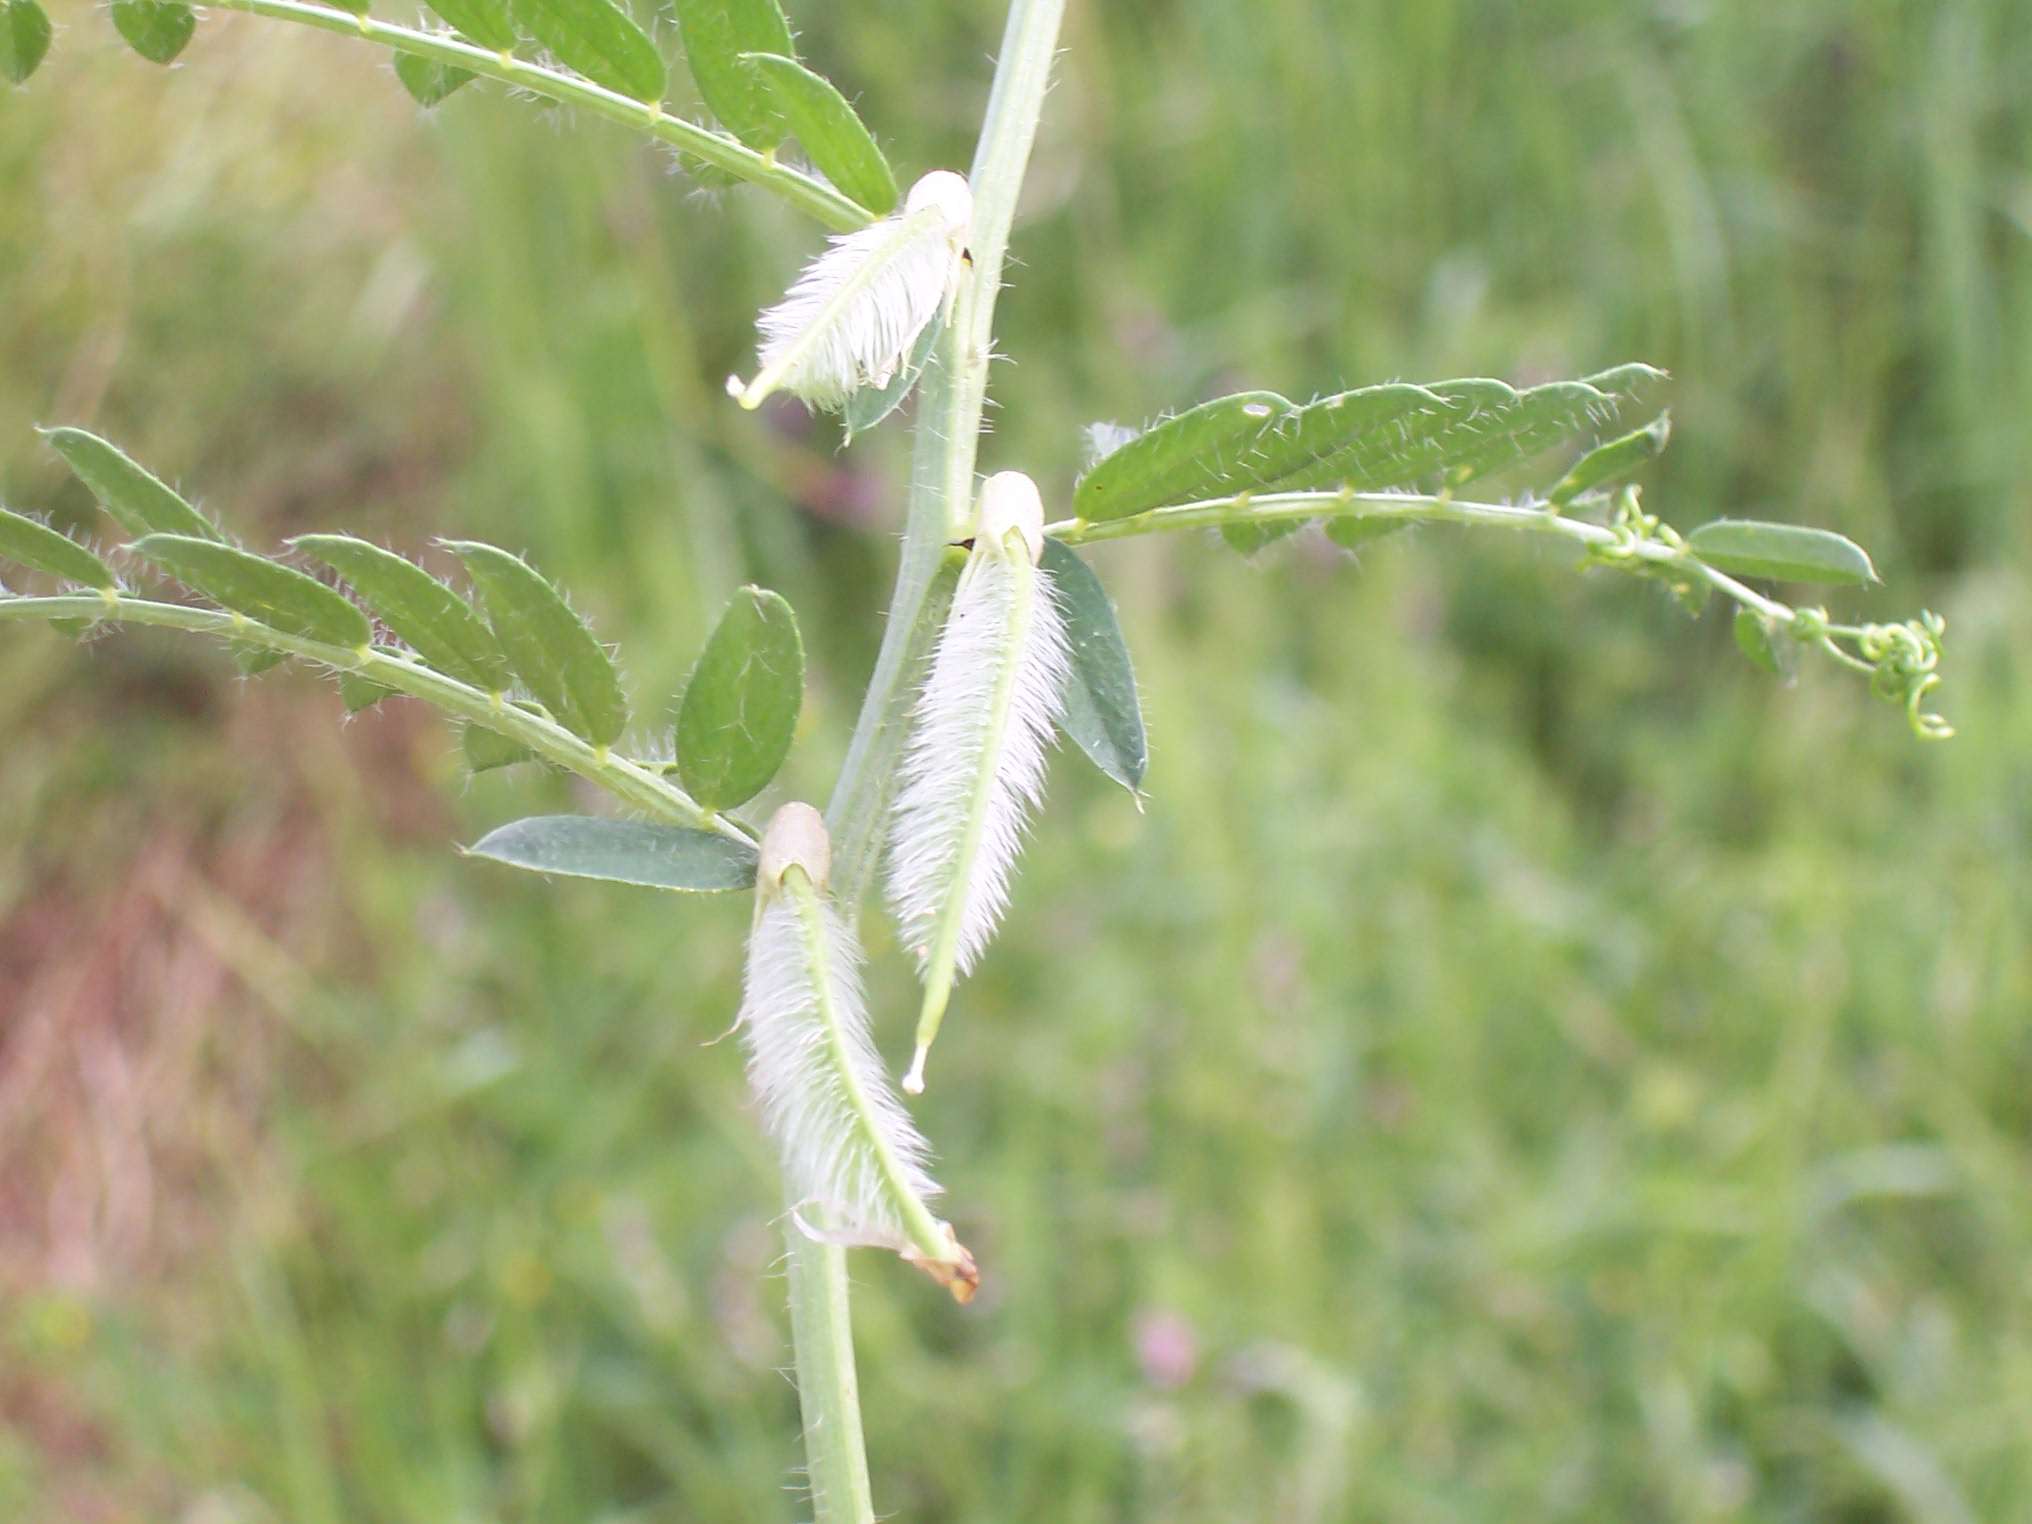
x=856 y=1166
x=973 y=769
x=854 y=314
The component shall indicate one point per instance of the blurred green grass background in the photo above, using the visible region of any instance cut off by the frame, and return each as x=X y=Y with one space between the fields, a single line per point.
x=1521 y=1064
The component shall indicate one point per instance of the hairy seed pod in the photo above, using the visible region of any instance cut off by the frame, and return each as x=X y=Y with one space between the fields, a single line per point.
x=856 y=1166
x=854 y=314
x=973 y=769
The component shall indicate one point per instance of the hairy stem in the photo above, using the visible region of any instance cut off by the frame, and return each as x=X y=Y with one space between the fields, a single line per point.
x=950 y=400
x=829 y=1396
x=1283 y=507
x=947 y=439
x=634 y=783
x=806 y=192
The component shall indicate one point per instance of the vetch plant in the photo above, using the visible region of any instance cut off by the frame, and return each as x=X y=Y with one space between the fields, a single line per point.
x=998 y=636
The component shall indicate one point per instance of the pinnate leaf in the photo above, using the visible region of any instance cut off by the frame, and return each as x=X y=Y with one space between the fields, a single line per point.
x=141 y=503
x=715 y=34
x=740 y=708
x=1102 y=713
x=156 y=29
x=598 y=39
x=24 y=39
x=622 y=851
x=34 y=544
x=1781 y=552
x=548 y=646
x=832 y=133
x=428 y=617
x=266 y=591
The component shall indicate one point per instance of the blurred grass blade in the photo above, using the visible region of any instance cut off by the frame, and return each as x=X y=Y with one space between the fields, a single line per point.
x=358 y=693
x=715 y=34
x=549 y=647
x=278 y=596
x=1103 y=715
x=141 y=503
x=24 y=39
x=871 y=404
x=599 y=40
x=1206 y=451
x=34 y=544
x=428 y=617
x=485 y=22
x=1781 y=552
x=156 y=29
x=834 y=136
x=740 y=708
x=1608 y=464
x=485 y=749
x=622 y=851
x=427 y=80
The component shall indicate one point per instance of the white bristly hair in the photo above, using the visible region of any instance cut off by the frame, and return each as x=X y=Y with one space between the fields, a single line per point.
x=973 y=768
x=853 y=316
x=856 y=1166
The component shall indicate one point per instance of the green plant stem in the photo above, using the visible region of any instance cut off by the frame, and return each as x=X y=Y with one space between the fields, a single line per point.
x=806 y=192
x=943 y=450
x=828 y=1393
x=634 y=783
x=1283 y=507
x=950 y=400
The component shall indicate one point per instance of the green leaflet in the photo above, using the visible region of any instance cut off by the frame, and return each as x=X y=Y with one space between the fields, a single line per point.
x=1103 y=716
x=1355 y=439
x=1206 y=451
x=621 y=851
x=549 y=647
x=34 y=544
x=142 y=504
x=24 y=39
x=427 y=80
x=253 y=660
x=1782 y=552
x=715 y=34
x=598 y=39
x=1608 y=464
x=156 y=29
x=834 y=136
x=358 y=693
x=870 y=405
x=485 y=22
x=1771 y=647
x=1352 y=533
x=427 y=616
x=740 y=708
x=485 y=749
x=268 y=592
